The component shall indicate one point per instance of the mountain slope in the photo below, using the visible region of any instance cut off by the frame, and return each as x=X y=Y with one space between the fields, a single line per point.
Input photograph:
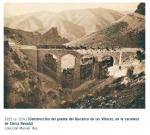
x=31 y=23
x=51 y=37
x=71 y=24
x=129 y=31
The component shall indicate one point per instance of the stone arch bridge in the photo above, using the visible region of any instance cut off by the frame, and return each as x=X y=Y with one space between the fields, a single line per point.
x=36 y=56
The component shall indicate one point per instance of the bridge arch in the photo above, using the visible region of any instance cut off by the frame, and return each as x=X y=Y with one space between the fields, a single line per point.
x=68 y=62
x=104 y=63
x=60 y=54
x=115 y=59
x=86 y=67
x=109 y=60
x=49 y=63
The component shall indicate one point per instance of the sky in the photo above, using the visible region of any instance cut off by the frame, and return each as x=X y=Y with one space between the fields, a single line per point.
x=13 y=9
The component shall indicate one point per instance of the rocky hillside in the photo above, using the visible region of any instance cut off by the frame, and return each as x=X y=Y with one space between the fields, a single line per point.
x=115 y=95
x=71 y=24
x=129 y=31
x=24 y=87
x=51 y=37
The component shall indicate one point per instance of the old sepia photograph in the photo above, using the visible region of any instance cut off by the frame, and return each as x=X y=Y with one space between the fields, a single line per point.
x=74 y=55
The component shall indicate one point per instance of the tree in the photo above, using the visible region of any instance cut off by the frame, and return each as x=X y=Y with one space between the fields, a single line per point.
x=140 y=9
x=141 y=38
x=140 y=55
x=130 y=72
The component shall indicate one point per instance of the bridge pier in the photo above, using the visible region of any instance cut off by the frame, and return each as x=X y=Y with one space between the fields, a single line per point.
x=95 y=68
x=76 y=80
x=58 y=72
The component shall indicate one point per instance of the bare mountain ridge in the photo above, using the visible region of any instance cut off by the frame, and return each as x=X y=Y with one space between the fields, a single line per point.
x=34 y=38
x=71 y=24
x=129 y=31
